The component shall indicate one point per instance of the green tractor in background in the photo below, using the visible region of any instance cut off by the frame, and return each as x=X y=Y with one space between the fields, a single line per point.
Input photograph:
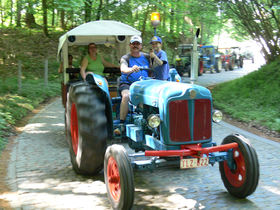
x=183 y=60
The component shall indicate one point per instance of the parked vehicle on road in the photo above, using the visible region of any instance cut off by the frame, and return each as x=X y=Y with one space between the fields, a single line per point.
x=169 y=123
x=211 y=58
x=183 y=60
x=231 y=58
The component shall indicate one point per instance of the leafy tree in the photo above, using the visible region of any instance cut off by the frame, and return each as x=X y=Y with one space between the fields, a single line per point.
x=258 y=19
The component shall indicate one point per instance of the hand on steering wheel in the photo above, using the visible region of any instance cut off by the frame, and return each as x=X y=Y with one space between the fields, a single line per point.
x=136 y=69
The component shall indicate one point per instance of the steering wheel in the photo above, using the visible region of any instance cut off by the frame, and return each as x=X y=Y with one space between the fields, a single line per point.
x=140 y=69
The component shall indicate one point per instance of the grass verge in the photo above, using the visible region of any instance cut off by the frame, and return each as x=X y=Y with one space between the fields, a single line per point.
x=254 y=98
x=15 y=104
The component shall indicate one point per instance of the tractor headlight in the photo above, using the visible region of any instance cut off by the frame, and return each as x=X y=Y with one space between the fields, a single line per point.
x=217 y=116
x=153 y=120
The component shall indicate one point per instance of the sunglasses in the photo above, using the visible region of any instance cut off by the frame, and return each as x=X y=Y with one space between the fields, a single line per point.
x=136 y=43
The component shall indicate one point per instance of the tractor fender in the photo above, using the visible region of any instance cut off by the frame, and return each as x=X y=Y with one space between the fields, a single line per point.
x=100 y=82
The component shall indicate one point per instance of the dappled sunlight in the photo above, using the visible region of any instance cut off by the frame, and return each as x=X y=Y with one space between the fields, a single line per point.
x=35 y=128
x=181 y=201
x=26 y=106
x=165 y=199
x=271 y=189
x=58 y=124
x=58 y=194
x=50 y=117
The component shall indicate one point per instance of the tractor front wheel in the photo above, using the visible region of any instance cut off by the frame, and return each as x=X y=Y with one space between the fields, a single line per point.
x=118 y=177
x=242 y=176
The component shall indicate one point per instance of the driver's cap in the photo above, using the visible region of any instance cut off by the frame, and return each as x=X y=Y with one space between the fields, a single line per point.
x=136 y=38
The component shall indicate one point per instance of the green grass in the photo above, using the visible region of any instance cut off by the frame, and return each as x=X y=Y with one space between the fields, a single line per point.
x=15 y=104
x=32 y=48
x=254 y=98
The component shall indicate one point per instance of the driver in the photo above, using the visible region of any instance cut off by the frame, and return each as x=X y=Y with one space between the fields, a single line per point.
x=130 y=65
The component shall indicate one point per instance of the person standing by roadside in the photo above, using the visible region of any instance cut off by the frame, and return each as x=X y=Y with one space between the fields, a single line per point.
x=159 y=59
x=131 y=65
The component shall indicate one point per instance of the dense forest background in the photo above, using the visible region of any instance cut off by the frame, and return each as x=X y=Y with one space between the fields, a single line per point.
x=258 y=20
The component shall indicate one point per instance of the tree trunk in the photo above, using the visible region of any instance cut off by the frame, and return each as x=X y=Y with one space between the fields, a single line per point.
x=53 y=15
x=12 y=13
x=171 y=21
x=30 y=20
x=144 y=21
x=19 y=8
x=201 y=33
x=29 y=17
x=62 y=19
x=45 y=17
x=88 y=7
x=2 y=12
x=98 y=16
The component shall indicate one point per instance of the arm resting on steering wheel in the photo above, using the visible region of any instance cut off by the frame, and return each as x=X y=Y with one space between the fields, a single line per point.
x=125 y=69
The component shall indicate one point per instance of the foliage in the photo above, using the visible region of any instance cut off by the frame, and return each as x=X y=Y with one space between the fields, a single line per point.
x=254 y=98
x=258 y=19
x=22 y=45
x=179 y=18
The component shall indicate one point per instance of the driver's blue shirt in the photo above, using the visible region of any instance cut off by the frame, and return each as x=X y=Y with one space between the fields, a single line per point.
x=141 y=61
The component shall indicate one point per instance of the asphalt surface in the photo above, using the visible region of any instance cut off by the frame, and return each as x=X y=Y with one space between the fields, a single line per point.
x=40 y=175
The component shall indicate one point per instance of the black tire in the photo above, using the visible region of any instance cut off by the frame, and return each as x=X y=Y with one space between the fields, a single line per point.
x=118 y=175
x=241 y=181
x=86 y=128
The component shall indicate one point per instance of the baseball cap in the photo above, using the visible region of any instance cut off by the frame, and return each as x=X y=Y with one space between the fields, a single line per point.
x=136 y=38
x=156 y=39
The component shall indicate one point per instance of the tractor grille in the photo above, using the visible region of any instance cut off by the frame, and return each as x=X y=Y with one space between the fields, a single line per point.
x=185 y=126
x=179 y=121
x=202 y=120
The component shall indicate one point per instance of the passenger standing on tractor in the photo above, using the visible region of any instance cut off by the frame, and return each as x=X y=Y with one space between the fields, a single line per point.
x=159 y=59
x=131 y=72
x=94 y=62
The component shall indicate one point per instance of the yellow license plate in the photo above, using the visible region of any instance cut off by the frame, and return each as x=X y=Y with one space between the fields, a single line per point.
x=194 y=162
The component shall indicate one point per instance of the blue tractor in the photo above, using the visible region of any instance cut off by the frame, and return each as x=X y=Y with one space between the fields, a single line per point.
x=169 y=123
x=211 y=59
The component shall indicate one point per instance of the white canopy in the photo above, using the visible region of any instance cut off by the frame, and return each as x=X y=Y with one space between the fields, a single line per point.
x=99 y=32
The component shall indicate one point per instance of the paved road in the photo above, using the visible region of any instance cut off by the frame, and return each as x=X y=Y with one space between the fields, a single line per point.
x=209 y=79
x=40 y=175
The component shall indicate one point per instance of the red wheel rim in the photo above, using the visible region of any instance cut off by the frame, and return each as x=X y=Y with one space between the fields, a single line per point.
x=74 y=129
x=113 y=177
x=237 y=176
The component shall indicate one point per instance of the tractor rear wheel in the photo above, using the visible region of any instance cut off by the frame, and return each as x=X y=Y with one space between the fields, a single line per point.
x=86 y=128
x=118 y=175
x=242 y=179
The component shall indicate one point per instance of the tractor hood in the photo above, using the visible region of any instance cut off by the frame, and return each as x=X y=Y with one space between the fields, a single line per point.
x=155 y=92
